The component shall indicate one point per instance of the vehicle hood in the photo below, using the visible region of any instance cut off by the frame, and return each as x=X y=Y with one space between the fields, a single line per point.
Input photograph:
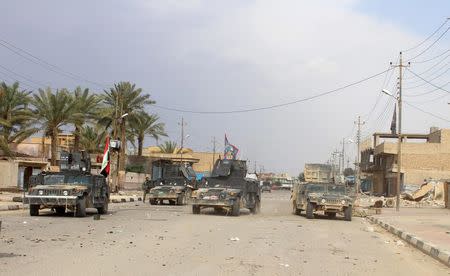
x=329 y=196
x=167 y=188
x=60 y=187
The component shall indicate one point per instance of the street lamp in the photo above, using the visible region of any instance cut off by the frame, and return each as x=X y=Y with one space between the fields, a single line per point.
x=399 y=143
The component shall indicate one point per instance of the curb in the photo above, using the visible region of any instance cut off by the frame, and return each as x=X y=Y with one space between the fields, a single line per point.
x=11 y=207
x=426 y=247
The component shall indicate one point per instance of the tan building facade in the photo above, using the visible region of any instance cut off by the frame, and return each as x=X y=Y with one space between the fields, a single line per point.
x=424 y=156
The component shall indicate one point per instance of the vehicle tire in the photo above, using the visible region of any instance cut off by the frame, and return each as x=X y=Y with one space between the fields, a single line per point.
x=295 y=210
x=152 y=201
x=331 y=215
x=348 y=213
x=181 y=200
x=104 y=209
x=172 y=202
x=60 y=210
x=236 y=208
x=81 y=208
x=34 y=210
x=255 y=210
x=195 y=209
x=309 y=210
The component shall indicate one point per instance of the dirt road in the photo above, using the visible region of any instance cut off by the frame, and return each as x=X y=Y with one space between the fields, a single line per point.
x=139 y=239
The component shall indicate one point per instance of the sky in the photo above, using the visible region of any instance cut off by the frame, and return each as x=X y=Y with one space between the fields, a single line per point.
x=230 y=55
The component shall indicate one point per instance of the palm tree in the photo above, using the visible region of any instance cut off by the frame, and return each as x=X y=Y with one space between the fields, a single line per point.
x=142 y=124
x=91 y=140
x=15 y=116
x=54 y=110
x=169 y=147
x=122 y=102
x=87 y=108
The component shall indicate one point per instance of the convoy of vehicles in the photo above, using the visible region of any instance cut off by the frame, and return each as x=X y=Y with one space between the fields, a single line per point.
x=73 y=188
x=328 y=198
x=228 y=188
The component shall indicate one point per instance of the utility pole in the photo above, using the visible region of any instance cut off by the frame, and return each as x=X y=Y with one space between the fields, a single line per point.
x=343 y=155
x=214 y=152
x=182 y=139
x=399 y=129
x=358 y=155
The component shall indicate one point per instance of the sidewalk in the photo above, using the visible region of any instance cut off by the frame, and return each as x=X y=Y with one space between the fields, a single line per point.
x=427 y=228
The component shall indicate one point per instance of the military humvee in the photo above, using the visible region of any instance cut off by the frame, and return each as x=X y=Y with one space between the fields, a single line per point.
x=73 y=188
x=329 y=198
x=173 y=182
x=228 y=188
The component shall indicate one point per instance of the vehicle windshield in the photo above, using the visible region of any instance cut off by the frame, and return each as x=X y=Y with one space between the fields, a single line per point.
x=316 y=188
x=336 y=189
x=66 y=180
x=53 y=179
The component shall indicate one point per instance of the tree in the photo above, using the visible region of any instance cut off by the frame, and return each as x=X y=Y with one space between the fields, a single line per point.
x=349 y=171
x=301 y=177
x=142 y=124
x=15 y=117
x=122 y=102
x=53 y=110
x=91 y=139
x=169 y=147
x=87 y=108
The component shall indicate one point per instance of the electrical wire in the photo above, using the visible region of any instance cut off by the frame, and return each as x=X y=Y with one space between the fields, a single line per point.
x=430 y=36
x=432 y=67
x=433 y=58
x=275 y=105
x=431 y=45
x=38 y=61
x=430 y=83
x=427 y=112
x=425 y=93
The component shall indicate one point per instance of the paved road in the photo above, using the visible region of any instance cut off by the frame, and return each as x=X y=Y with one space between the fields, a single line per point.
x=139 y=239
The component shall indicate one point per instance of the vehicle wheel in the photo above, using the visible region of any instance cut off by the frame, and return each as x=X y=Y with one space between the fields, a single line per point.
x=331 y=215
x=60 y=211
x=236 y=208
x=152 y=201
x=348 y=213
x=181 y=200
x=34 y=210
x=195 y=209
x=310 y=210
x=104 y=209
x=172 y=202
x=81 y=207
x=295 y=210
x=255 y=210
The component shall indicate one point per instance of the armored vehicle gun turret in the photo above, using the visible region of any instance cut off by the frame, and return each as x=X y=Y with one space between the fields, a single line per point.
x=229 y=188
x=72 y=188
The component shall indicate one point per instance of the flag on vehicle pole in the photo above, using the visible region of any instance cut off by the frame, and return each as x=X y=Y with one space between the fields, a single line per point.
x=105 y=162
x=230 y=151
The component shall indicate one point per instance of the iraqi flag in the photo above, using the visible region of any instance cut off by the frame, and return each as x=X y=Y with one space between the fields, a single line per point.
x=105 y=162
x=230 y=151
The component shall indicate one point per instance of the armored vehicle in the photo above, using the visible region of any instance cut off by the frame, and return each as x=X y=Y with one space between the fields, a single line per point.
x=328 y=198
x=228 y=188
x=266 y=186
x=72 y=188
x=173 y=182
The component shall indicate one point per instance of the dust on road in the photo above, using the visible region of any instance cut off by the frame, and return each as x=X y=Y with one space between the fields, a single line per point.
x=139 y=239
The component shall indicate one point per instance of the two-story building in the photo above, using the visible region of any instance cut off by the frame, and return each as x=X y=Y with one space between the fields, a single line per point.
x=424 y=156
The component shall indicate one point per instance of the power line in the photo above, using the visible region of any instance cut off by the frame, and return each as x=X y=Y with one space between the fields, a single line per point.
x=434 y=66
x=433 y=58
x=431 y=45
x=430 y=83
x=24 y=77
x=276 y=105
x=428 y=92
x=38 y=61
x=427 y=112
x=430 y=36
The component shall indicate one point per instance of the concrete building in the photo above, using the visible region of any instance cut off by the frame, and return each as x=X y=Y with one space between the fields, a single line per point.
x=317 y=173
x=424 y=156
x=16 y=171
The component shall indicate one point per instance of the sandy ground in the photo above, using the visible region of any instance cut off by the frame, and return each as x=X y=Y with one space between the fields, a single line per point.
x=139 y=239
